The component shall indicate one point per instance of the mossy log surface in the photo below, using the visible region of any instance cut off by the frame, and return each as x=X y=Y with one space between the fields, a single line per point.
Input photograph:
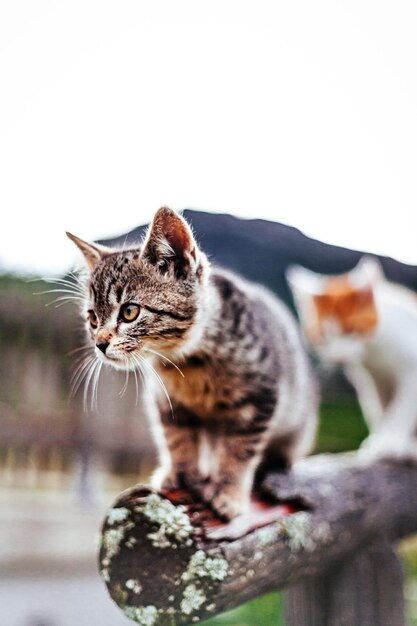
x=166 y=560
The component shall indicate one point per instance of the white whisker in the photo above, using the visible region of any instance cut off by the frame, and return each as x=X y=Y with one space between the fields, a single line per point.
x=63 y=299
x=79 y=374
x=89 y=377
x=136 y=385
x=75 y=286
x=81 y=363
x=123 y=389
x=124 y=243
x=73 y=295
x=71 y=291
x=79 y=349
x=139 y=366
x=95 y=383
x=159 y=379
x=87 y=370
x=162 y=356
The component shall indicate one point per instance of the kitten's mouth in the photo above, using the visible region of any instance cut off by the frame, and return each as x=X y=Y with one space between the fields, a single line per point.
x=120 y=362
x=117 y=363
x=122 y=358
x=107 y=357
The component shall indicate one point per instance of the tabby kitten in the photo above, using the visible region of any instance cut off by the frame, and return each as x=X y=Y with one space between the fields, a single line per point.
x=229 y=356
x=369 y=326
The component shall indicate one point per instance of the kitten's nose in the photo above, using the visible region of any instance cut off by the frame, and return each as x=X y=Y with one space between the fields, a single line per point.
x=102 y=345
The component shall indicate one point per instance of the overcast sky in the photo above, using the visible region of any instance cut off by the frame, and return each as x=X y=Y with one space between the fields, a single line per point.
x=301 y=112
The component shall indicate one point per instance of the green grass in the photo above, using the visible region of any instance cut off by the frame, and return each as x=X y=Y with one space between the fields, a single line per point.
x=408 y=553
x=264 y=611
x=341 y=425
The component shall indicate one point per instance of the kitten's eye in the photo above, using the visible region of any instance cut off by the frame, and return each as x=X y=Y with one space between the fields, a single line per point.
x=129 y=312
x=92 y=317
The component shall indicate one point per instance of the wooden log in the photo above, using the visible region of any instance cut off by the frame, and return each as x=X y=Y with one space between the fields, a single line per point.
x=171 y=562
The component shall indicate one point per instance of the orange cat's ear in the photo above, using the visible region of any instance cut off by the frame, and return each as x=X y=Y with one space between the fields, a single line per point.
x=306 y=286
x=304 y=281
x=170 y=240
x=368 y=272
x=93 y=252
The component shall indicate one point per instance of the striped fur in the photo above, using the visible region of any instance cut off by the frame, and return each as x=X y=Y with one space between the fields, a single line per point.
x=228 y=353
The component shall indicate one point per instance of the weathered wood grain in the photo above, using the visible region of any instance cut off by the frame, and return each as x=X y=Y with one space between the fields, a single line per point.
x=165 y=563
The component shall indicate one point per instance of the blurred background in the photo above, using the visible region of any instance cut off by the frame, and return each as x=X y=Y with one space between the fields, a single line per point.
x=291 y=127
x=63 y=463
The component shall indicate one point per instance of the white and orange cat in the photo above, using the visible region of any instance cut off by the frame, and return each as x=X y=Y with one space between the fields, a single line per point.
x=367 y=325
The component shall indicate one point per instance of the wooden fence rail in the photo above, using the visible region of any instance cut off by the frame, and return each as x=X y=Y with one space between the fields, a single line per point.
x=167 y=561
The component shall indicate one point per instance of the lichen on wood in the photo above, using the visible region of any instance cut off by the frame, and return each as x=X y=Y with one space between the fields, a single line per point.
x=164 y=565
x=163 y=531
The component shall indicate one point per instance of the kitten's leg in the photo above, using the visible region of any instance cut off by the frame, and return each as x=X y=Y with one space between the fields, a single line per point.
x=180 y=460
x=237 y=456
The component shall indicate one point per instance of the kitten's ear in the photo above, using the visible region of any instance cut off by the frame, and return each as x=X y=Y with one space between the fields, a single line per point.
x=170 y=240
x=93 y=252
x=304 y=281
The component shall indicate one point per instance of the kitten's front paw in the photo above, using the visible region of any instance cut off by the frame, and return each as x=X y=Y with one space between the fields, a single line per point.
x=227 y=501
x=227 y=508
x=388 y=446
x=177 y=478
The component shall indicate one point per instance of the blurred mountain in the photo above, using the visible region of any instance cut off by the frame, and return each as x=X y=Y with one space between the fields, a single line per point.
x=261 y=250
